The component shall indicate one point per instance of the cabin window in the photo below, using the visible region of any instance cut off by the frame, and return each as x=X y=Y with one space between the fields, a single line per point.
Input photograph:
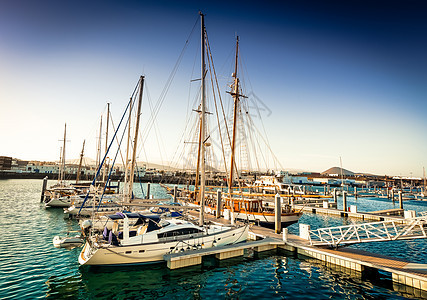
x=178 y=232
x=141 y=251
x=128 y=252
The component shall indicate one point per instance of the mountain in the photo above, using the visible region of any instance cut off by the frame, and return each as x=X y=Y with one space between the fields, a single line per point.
x=337 y=170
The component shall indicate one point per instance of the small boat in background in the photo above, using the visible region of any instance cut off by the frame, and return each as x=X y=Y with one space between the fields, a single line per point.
x=68 y=242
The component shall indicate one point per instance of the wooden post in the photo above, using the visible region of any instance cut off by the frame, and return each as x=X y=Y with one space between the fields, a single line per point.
x=392 y=194
x=334 y=194
x=148 y=190
x=118 y=187
x=175 y=193
x=400 y=200
x=344 y=200
x=324 y=190
x=43 y=189
x=388 y=193
x=278 y=214
x=355 y=192
x=218 y=204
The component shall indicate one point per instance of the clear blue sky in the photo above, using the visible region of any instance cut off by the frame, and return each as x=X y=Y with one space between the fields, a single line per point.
x=341 y=78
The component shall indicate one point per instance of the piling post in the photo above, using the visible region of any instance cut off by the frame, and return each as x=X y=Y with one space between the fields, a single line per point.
x=285 y=234
x=400 y=200
x=388 y=192
x=392 y=194
x=148 y=190
x=324 y=190
x=278 y=214
x=334 y=194
x=355 y=192
x=118 y=187
x=43 y=189
x=344 y=200
x=218 y=203
x=175 y=193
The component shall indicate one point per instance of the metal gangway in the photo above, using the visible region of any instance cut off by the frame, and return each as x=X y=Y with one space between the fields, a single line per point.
x=414 y=228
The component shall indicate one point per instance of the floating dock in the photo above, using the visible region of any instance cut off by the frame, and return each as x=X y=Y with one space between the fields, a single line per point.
x=384 y=215
x=404 y=275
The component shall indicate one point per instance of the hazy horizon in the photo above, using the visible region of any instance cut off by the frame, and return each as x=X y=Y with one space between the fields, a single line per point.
x=336 y=79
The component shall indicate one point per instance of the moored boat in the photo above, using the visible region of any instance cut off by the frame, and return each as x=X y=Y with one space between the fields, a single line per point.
x=150 y=238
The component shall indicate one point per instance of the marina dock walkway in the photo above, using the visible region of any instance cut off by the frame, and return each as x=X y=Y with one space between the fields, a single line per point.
x=403 y=273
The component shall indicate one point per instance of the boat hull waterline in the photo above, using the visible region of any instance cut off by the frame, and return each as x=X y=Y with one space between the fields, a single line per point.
x=154 y=252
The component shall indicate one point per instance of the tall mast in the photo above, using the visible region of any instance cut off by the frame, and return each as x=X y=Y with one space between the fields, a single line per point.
x=98 y=153
x=106 y=142
x=80 y=163
x=342 y=176
x=62 y=171
x=235 y=94
x=126 y=186
x=202 y=124
x=424 y=177
x=135 y=141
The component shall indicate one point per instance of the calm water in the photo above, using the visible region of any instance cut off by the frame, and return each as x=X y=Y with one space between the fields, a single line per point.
x=32 y=268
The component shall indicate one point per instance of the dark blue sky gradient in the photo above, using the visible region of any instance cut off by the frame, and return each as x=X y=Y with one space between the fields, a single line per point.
x=356 y=70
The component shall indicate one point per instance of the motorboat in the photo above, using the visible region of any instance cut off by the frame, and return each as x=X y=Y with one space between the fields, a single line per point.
x=152 y=237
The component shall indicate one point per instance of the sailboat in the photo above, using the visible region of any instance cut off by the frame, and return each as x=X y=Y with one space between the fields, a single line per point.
x=60 y=194
x=242 y=205
x=149 y=238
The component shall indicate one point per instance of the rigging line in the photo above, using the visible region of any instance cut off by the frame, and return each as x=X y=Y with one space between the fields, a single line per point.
x=182 y=139
x=220 y=98
x=112 y=167
x=156 y=129
x=139 y=179
x=269 y=148
x=257 y=142
x=262 y=125
x=103 y=160
x=114 y=129
x=171 y=76
x=211 y=65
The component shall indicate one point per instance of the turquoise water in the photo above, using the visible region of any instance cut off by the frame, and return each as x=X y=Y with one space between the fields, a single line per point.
x=31 y=268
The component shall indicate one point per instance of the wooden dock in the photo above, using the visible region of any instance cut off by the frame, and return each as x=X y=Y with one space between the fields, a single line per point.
x=384 y=215
x=403 y=274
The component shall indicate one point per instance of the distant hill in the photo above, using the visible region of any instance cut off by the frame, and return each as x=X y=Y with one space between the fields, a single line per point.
x=337 y=170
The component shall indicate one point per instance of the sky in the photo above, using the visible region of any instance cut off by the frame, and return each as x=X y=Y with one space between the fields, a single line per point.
x=335 y=79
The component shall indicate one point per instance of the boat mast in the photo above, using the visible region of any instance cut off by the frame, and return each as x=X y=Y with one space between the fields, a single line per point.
x=62 y=170
x=106 y=142
x=202 y=123
x=80 y=163
x=98 y=153
x=424 y=175
x=342 y=176
x=132 y=170
x=235 y=94
x=126 y=190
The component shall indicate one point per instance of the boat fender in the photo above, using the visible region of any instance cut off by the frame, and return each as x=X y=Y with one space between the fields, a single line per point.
x=86 y=224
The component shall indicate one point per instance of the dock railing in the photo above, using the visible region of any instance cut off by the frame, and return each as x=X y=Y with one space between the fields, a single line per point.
x=415 y=228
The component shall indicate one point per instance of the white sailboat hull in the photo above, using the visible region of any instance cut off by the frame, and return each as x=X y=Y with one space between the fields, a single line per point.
x=267 y=220
x=154 y=252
